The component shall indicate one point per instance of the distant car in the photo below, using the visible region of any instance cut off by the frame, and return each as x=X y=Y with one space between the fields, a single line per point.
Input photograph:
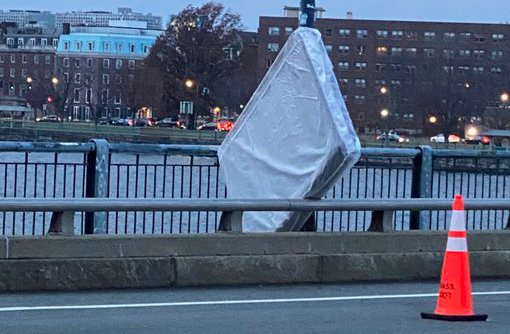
x=104 y=121
x=225 y=125
x=211 y=126
x=440 y=138
x=170 y=123
x=49 y=118
x=120 y=122
x=454 y=139
x=485 y=140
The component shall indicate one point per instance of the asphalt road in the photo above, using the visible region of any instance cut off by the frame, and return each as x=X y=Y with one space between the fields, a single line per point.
x=355 y=308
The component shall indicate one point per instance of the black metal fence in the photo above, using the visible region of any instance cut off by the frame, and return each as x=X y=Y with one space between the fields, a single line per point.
x=99 y=169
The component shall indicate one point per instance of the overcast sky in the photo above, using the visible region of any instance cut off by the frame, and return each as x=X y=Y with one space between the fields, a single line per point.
x=488 y=11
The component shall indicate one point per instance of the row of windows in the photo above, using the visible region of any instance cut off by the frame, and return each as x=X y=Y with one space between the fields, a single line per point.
x=88 y=78
x=361 y=66
x=35 y=59
x=23 y=73
x=411 y=52
x=107 y=47
x=106 y=63
x=31 y=42
x=400 y=34
x=86 y=95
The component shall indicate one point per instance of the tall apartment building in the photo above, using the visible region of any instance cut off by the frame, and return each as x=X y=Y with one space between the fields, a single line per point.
x=96 y=67
x=398 y=74
x=102 y=18
x=27 y=52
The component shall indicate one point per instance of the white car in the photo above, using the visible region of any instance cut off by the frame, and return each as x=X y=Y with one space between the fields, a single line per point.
x=438 y=139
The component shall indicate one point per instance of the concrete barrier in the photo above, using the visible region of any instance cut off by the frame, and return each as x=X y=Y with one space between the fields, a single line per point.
x=112 y=262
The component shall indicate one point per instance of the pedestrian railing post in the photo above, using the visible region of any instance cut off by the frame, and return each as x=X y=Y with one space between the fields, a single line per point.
x=231 y=221
x=422 y=185
x=97 y=184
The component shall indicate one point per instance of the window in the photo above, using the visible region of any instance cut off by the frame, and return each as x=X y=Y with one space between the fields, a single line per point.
x=382 y=51
x=496 y=70
x=132 y=48
x=44 y=42
x=478 y=69
x=345 y=32
x=344 y=49
x=449 y=36
x=328 y=32
x=497 y=55
x=21 y=42
x=77 y=78
x=382 y=33
x=90 y=46
x=412 y=35
x=343 y=81
x=411 y=52
x=118 y=64
x=89 y=62
x=104 y=95
x=479 y=37
x=47 y=60
x=106 y=46
x=274 y=31
x=119 y=47
x=380 y=83
x=395 y=67
x=343 y=66
x=288 y=30
x=361 y=50
x=359 y=99
x=396 y=51
x=497 y=38
x=361 y=66
x=13 y=59
x=88 y=96
x=76 y=95
x=106 y=63
x=78 y=46
x=448 y=69
x=131 y=64
x=36 y=59
x=429 y=35
x=448 y=54
x=465 y=53
x=146 y=49
x=106 y=79
x=65 y=62
x=12 y=73
x=66 y=46
x=273 y=47
x=429 y=53
x=361 y=83
x=380 y=67
x=76 y=110
x=329 y=48
x=77 y=63
x=395 y=83
x=465 y=36
x=66 y=77
x=1 y=72
x=2 y=58
x=463 y=69
x=55 y=42
x=24 y=59
x=478 y=54
x=397 y=34
x=118 y=99
x=10 y=41
x=362 y=33
x=31 y=42
x=410 y=69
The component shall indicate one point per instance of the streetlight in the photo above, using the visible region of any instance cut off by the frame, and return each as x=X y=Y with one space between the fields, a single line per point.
x=432 y=119
x=504 y=97
x=54 y=81
x=189 y=83
x=385 y=113
x=384 y=90
x=30 y=80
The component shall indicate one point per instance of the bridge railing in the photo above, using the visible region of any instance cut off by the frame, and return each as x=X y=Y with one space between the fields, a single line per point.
x=103 y=170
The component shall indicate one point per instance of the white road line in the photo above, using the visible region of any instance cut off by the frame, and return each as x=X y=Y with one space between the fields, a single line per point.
x=232 y=302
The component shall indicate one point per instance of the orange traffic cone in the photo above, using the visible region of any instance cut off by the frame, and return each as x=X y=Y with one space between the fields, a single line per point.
x=455 y=301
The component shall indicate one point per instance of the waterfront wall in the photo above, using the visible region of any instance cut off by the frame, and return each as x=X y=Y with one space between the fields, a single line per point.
x=119 y=262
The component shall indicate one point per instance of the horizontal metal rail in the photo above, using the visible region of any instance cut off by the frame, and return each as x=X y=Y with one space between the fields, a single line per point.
x=130 y=205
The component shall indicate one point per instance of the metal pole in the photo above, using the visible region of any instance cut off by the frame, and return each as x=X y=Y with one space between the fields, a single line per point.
x=307 y=13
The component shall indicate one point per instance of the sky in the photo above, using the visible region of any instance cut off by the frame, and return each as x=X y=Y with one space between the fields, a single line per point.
x=488 y=11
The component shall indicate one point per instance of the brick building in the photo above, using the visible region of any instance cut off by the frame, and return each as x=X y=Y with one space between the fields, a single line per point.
x=26 y=54
x=96 y=67
x=411 y=70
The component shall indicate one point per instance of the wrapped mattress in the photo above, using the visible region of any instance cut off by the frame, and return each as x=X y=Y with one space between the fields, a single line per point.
x=294 y=139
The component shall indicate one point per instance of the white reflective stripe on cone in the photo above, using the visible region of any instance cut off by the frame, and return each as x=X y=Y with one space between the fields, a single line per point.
x=458 y=221
x=456 y=245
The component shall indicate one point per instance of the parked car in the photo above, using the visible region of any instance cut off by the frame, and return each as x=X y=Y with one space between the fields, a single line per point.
x=170 y=123
x=455 y=139
x=225 y=125
x=211 y=126
x=120 y=122
x=440 y=138
x=49 y=118
x=392 y=136
x=104 y=121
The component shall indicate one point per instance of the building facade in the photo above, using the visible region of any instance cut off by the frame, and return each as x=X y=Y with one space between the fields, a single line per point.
x=27 y=60
x=96 y=67
x=104 y=19
x=398 y=74
x=25 y=17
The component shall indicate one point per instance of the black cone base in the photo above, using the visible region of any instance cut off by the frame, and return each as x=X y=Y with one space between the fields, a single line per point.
x=478 y=317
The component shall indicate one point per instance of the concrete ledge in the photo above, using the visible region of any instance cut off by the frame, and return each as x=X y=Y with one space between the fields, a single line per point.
x=102 y=262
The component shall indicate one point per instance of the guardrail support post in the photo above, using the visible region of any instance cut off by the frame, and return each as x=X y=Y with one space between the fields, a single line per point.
x=62 y=223
x=382 y=221
x=422 y=185
x=97 y=184
x=231 y=221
